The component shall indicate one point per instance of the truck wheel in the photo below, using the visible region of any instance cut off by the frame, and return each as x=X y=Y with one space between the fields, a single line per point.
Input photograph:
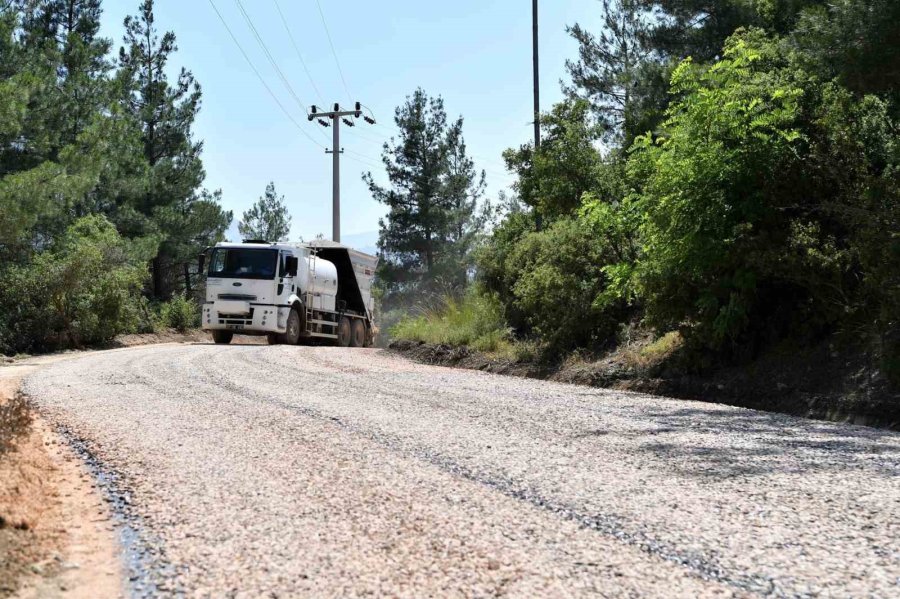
x=272 y=339
x=292 y=335
x=344 y=332
x=222 y=337
x=357 y=333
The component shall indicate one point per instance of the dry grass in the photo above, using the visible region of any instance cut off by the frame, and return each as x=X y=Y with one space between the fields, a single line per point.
x=15 y=421
x=642 y=356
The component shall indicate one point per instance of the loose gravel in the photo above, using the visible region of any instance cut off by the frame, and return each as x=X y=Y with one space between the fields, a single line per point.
x=252 y=470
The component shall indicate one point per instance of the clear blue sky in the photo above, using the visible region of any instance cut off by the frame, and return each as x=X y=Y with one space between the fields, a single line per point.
x=474 y=53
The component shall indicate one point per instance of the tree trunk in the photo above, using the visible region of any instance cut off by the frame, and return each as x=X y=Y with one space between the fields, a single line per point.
x=156 y=272
x=187 y=280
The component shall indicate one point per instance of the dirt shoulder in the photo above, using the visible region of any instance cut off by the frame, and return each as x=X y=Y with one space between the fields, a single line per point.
x=57 y=534
x=821 y=383
x=57 y=537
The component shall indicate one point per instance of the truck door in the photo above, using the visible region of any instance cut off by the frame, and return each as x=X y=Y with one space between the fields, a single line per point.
x=286 y=284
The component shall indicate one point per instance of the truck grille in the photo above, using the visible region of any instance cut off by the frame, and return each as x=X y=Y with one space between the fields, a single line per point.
x=240 y=319
x=237 y=297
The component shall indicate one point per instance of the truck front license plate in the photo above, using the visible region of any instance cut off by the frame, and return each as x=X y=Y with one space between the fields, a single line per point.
x=235 y=327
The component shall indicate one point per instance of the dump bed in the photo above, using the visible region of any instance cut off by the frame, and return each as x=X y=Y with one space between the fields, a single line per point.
x=356 y=273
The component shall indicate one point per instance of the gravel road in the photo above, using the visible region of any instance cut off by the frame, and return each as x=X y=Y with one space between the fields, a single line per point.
x=252 y=470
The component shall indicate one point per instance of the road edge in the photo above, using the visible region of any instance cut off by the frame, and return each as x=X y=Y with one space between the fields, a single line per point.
x=62 y=537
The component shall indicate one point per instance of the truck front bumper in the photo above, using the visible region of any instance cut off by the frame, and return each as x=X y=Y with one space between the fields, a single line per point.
x=247 y=319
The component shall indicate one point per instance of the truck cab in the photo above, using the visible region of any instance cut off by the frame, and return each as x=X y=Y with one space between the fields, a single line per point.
x=289 y=292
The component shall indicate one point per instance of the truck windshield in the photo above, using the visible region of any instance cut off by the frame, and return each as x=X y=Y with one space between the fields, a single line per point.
x=241 y=263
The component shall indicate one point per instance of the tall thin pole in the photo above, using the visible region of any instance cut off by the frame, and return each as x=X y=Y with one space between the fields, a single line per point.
x=336 y=181
x=334 y=119
x=537 y=86
x=538 y=221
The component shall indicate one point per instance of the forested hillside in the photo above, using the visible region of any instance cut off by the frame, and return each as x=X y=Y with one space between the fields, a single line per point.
x=102 y=213
x=722 y=174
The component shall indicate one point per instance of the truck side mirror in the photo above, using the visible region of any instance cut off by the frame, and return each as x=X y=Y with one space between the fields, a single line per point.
x=201 y=263
x=291 y=266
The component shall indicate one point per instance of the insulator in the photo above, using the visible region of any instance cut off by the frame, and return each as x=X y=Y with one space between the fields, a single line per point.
x=324 y=123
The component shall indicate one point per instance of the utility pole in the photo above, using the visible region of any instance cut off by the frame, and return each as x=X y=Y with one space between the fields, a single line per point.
x=538 y=221
x=537 y=85
x=333 y=119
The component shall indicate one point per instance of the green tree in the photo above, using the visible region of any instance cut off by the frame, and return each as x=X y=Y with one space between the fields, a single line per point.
x=267 y=219
x=171 y=203
x=618 y=72
x=64 y=34
x=464 y=188
x=567 y=165
x=698 y=28
x=716 y=249
x=59 y=127
x=855 y=41
x=432 y=198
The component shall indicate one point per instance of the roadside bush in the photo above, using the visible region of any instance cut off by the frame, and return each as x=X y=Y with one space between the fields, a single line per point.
x=83 y=290
x=491 y=261
x=558 y=273
x=750 y=233
x=475 y=320
x=717 y=234
x=180 y=313
x=555 y=284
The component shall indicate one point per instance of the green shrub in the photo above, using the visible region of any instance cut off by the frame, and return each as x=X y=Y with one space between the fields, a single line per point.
x=716 y=240
x=557 y=281
x=770 y=205
x=82 y=290
x=180 y=313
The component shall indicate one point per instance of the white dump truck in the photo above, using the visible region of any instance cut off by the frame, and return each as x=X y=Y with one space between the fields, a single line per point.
x=290 y=293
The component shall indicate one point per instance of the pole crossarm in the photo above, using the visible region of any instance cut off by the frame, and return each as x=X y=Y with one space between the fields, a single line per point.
x=337 y=113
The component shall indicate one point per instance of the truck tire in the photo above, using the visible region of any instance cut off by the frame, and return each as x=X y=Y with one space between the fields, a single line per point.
x=357 y=333
x=344 y=332
x=222 y=337
x=292 y=335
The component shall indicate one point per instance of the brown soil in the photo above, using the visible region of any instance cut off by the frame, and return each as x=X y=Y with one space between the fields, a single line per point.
x=169 y=336
x=822 y=382
x=56 y=535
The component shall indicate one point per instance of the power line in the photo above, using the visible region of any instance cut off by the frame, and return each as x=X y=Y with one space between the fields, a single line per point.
x=494 y=162
x=364 y=159
x=268 y=54
x=370 y=139
x=297 y=50
x=260 y=77
x=333 y=52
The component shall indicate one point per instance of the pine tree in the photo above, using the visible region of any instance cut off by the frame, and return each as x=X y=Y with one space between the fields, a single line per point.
x=614 y=68
x=166 y=111
x=464 y=187
x=267 y=219
x=56 y=95
x=65 y=33
x=431 y=198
